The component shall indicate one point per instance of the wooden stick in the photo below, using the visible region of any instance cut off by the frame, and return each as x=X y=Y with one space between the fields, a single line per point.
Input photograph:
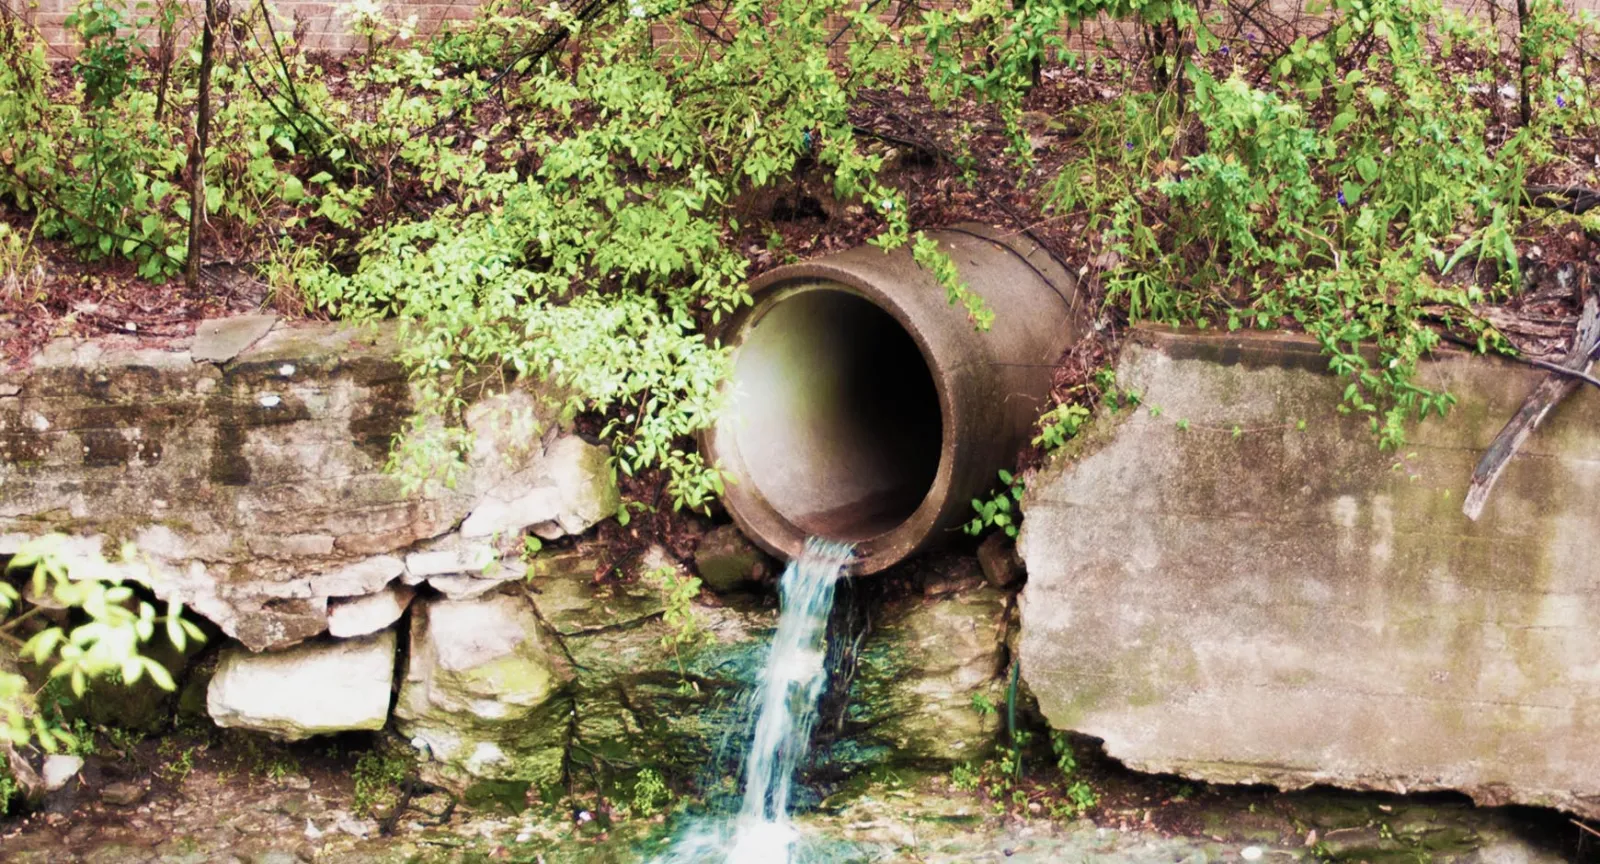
x=1586 y=827
x=1535 y=408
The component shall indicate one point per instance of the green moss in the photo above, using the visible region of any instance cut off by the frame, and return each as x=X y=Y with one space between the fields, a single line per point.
x=512 y=674
x=503 y=795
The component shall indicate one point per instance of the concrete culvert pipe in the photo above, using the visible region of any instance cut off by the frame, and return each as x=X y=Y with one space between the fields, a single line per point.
x=864 y=407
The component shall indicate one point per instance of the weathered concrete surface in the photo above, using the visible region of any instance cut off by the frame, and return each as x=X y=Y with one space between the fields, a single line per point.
x=1294 y=606
x=255 y=483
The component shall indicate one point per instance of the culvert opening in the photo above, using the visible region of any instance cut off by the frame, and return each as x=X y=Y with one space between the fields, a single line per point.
x=839 y=425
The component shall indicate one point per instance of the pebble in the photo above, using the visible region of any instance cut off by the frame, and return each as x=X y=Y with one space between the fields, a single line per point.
x=122 y=794
x=59 y=769
x=359 y=828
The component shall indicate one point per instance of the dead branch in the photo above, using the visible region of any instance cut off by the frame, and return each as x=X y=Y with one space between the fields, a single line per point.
x=1546 y=396
x=1576 y=200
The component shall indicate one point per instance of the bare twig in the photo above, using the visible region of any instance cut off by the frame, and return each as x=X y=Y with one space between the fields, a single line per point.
x=1576 y=200
x=1544 y=398
x=197 y=153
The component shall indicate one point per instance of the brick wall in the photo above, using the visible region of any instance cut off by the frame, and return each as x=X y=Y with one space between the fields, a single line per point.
x=323 y=25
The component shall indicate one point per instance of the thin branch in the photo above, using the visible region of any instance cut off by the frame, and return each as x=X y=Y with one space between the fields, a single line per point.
x=1576 y=200
x=1535 y=408
x=1561 y=370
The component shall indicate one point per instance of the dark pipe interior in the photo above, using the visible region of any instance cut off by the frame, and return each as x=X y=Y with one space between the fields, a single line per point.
x=838 y=421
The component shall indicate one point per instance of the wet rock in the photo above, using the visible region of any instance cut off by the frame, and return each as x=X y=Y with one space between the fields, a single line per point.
x=501 y=689
x=59 y=770
x=997 y=555
x=918 y=676
x=726 y=560
x=951 y=575
x=435 y=804
x=649 y=691
x=122 y=794
x=478 y=672
x=360 y=616
x=313 y=689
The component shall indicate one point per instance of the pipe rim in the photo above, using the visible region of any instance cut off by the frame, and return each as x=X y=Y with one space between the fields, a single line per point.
x=758 y=518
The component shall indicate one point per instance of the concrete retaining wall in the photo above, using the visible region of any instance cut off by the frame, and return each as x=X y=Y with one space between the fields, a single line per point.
x=1245 y=600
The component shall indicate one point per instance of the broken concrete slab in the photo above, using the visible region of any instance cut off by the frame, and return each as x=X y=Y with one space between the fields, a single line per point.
x=1243 y=588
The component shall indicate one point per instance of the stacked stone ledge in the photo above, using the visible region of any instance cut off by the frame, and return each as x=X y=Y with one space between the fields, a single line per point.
x=246 y=466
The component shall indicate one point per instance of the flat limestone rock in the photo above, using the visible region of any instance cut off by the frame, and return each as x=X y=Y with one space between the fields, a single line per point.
x=59 y=769
x=358 y=616
x=568 y=490
x=219 y=340
x=312 y=689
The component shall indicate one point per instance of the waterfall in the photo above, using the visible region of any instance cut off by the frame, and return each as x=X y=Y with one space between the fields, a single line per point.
x=786 y=699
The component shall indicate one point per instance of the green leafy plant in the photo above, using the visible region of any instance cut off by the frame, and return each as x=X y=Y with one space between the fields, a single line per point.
x=649 y=793
x=1079 y=795
x=1337 y=196
x=106 y=646
x=1060 y=425
x=377 y=778
x=1000 y=510
x=678 y=591
x=982 y=704
x=179 y=762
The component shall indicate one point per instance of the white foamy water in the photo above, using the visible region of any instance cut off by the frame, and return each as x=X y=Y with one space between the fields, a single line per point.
x=786 y=699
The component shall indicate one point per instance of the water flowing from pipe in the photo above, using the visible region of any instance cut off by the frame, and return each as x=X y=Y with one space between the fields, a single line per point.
x=786 y=700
